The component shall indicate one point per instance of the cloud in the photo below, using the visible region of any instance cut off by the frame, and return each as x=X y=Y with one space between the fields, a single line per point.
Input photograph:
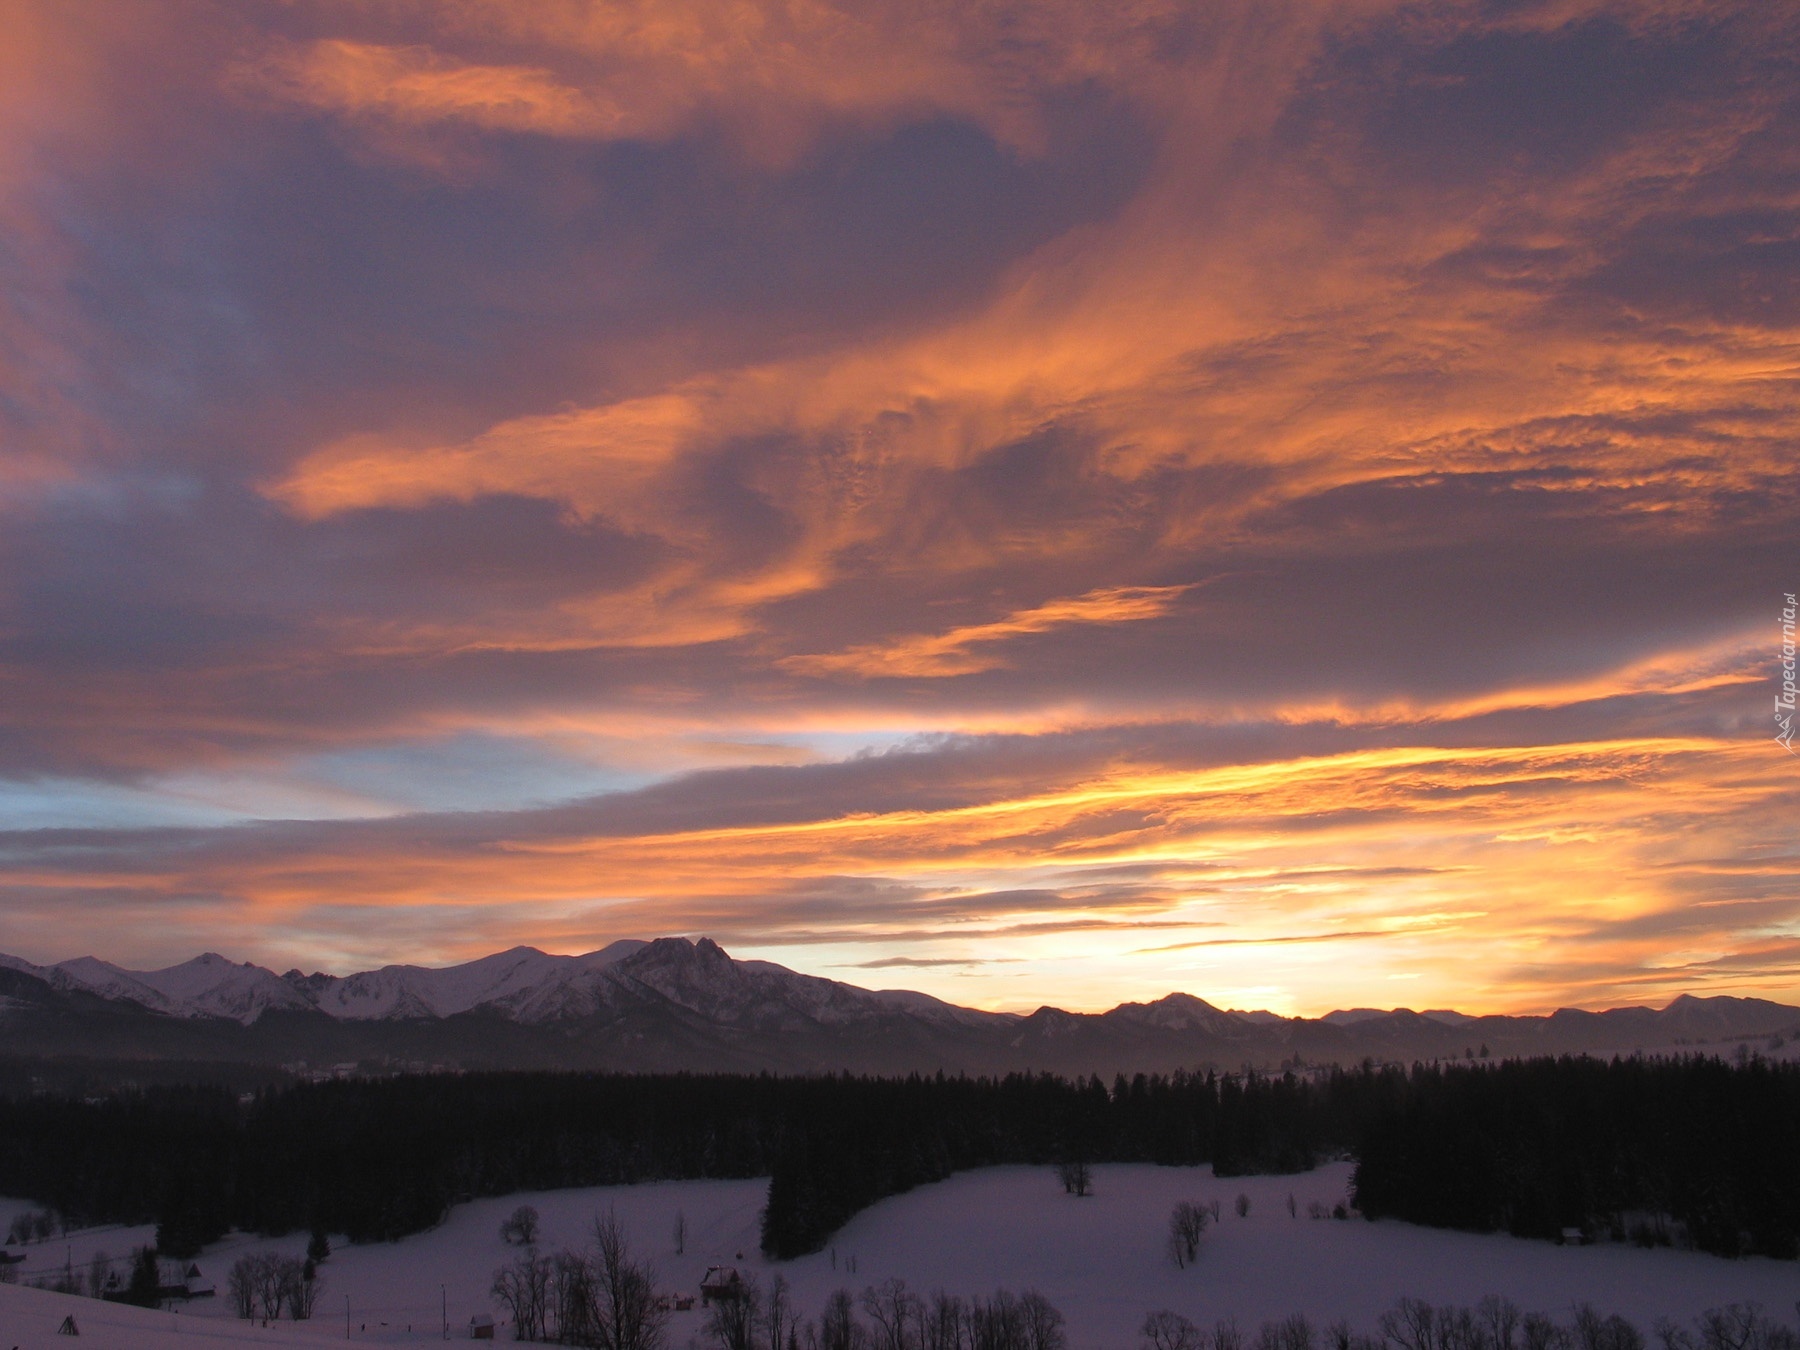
x=949 y=653
x=830 y=474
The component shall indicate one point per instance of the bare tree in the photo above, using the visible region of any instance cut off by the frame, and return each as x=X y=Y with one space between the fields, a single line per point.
x=271 y=1284
x=1076 y=1176
x=1187 y=1223
x=996 y=1324
x=241 y=1285
x=1167 y=1330
x=572 y=1299
x=1459 y=1329
x=1292 y=1333
x=1040 y=1324
x=263 y=1284
x=524 y=1288
x=838 y=1327
x=892 y=1308
x=1736 y=1326
x=1538 y=1332
x=1411 y=1324
x=778 y=1315
x=1594 y=1332
x=520 y=1227
x=1226 y=1336
x=99 y=1265
x=944 y=1324
x=300 y=1287
x=629 y=1317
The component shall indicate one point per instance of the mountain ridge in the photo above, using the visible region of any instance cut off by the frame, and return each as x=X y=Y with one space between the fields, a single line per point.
x=673 y=1004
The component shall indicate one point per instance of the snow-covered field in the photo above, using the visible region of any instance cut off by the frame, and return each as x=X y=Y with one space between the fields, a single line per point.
x=1099 y=1259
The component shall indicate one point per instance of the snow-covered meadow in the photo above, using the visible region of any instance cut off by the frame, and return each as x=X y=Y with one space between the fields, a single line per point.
x=1100 y=1259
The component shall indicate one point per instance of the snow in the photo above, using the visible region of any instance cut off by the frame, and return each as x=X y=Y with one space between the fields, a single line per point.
x=1100 y=1259
x=529 y=984
x=29 y=1319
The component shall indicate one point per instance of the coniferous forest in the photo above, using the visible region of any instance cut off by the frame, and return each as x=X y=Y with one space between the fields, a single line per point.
x=1694 y=1151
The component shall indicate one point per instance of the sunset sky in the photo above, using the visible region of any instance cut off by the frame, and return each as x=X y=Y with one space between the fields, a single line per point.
x=1043 y=502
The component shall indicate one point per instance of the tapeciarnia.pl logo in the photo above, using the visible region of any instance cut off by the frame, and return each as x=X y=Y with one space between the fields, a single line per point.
x=1784 y=701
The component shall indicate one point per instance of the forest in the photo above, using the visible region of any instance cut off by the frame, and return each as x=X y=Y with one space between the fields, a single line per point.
x=1688 y=1151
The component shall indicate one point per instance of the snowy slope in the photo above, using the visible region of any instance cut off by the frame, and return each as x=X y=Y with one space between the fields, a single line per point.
x=29 y=1319
x=1099 y=1259
x=530 y=985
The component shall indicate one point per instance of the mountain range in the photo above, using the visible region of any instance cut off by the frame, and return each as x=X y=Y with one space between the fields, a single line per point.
x=674 y=1004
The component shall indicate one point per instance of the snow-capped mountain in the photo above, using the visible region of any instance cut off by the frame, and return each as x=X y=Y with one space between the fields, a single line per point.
x=522 y=985
x=675 y=1004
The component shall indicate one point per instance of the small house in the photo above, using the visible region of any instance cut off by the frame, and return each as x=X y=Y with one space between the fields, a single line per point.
x=481 y=1327
x=721 y=1284
x=181 y=1280
x=1570 y=1237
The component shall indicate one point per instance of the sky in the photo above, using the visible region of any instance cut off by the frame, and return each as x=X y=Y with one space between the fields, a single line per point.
x=1034 y=502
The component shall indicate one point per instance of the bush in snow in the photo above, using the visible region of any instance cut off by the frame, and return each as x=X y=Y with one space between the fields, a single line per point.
x=520 y=1227
x=1243 y=1206
x=1077 y=1178
x=1187 y=1222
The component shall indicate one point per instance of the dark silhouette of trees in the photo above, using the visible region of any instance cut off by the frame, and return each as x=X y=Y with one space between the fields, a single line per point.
x=1710 y=1152
x=265 y=1284
x=1692 y=1151
x=144 y=1286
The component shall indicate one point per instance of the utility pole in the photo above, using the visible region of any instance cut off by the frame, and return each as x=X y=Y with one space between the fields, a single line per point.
x=444 y=1298
x=346 y=1317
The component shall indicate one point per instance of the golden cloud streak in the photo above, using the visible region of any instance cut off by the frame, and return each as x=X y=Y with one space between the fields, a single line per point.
x=949 y=653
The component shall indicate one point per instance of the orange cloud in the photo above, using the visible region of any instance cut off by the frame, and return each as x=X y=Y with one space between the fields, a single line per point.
x=416 y=85
x=950 y=653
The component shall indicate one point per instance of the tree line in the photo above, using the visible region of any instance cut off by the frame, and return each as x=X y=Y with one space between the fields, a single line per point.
x=1688 y=1150
x=1693 y=1152
x=1492 y=1324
